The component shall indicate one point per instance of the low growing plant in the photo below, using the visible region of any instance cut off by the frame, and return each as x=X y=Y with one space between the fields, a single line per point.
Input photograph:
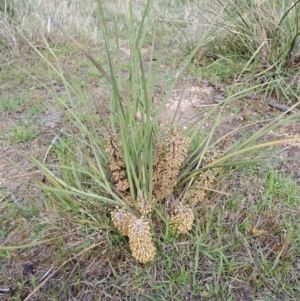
x=258 y=40
x=131 y=171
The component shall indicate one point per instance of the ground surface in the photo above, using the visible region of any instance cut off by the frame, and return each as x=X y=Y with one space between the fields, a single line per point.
x=29 y=126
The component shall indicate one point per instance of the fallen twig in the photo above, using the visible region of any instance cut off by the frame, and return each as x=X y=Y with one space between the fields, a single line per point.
x=274 y=104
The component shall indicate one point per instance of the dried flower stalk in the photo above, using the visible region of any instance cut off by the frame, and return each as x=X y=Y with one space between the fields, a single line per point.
x=206 y=180
x=116 y=166
x=171 y=153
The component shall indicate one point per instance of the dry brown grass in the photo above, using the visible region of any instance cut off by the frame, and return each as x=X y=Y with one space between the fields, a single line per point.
x=31 y=19
x=186 y=21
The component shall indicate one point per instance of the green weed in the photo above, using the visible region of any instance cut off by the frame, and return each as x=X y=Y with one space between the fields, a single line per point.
x=21 y=133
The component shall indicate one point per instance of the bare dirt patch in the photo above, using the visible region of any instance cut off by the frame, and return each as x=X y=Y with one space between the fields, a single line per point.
x=188 y=99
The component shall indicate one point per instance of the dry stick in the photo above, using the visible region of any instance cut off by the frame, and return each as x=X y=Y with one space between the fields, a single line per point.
x=274 y=104
x=36 y=289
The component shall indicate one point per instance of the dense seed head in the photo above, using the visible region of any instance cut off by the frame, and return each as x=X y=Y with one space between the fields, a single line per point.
x=121 y=219
x=140 y=240
x=171 y=153
x=144 y=207
x=204 y=182
x=128 y=201
x=116 y=166
x=183 y=219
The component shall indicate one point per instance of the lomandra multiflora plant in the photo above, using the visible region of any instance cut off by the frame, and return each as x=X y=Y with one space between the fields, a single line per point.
x=137 y=163
x=127 y=167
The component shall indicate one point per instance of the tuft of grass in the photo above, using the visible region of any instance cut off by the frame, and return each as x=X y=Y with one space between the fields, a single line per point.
x=258 y=41
x=7 y=105
x=32 y=18
x=22 y=132
x=266 y=31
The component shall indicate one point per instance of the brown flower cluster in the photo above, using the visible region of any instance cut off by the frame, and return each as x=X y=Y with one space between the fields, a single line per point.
x=171 y=153
x=206 y=180
x=116 y=164
x=144 y=207
x=140 y=240
x=138 y=231
x=121 y=219
x=203 y=183
x=183 y=219
x=218 y=151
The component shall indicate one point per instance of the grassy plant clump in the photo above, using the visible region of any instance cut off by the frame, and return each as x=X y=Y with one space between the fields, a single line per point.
x=136 y=164
x=268 y=32
x=258 y=41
